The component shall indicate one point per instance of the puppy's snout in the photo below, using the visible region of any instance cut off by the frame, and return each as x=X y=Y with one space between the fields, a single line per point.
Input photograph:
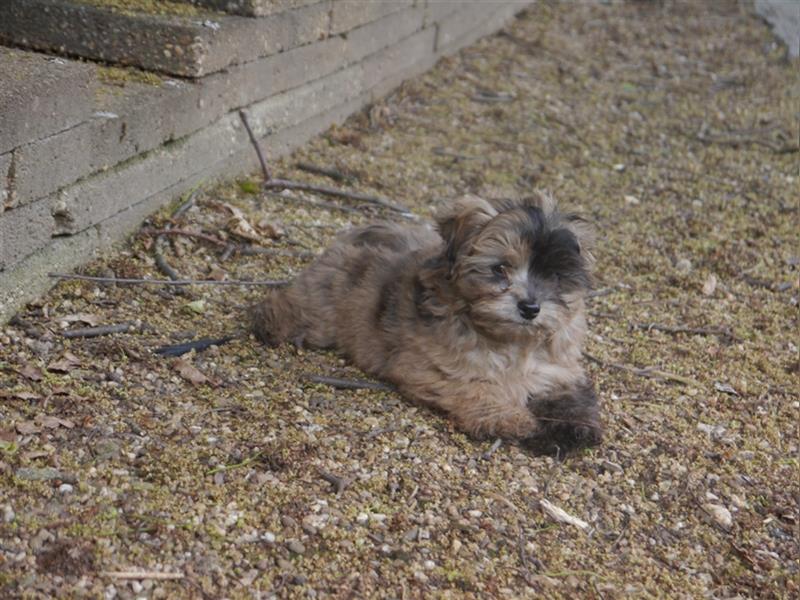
x=528 y=309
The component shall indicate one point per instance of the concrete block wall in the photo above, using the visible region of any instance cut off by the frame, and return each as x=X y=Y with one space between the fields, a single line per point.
x=83 y=162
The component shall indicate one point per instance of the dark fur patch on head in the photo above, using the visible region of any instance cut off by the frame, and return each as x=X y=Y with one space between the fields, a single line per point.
x=567 y=421
x=557 y=255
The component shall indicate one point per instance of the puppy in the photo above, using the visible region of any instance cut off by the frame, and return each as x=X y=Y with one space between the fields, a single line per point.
x=483 y=319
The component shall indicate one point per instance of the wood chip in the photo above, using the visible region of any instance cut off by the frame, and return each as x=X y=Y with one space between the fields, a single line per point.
x=561 y=516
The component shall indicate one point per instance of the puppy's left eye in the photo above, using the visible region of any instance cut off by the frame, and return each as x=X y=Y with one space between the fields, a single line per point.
x=499 y=269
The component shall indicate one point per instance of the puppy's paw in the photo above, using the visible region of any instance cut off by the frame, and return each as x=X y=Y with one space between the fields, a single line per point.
x=566 y=421
x=559 y=439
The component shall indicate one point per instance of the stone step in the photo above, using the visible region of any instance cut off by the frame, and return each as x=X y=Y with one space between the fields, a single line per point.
x=188 y=45
x=136 y=117
x=40 y=96
x=250 y=8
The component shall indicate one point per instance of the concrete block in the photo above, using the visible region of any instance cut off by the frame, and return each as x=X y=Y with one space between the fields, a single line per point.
x=6 y=162
x=349 y=14
x=40 y=96
x=784 y=18
x=141 y=117
x=134 y=119
x=398 y=60
x=27 y=279
x=251 y=8
x=185 y=46
x=436 y=10
x=474 y=21
x=29 y=227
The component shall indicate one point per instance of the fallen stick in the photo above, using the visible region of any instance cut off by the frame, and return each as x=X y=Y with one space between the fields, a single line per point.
x=197 y=345
x=314 y=203
x=683 y=329
x=259 y=250
x=349 y=384
x=601 y=292
x=179 y=212
x=254 y=141
x=329 y=191
x=126 y=281
x=561 y=516
x=89 y=332
x=334 y=174
x=649 y=372
x=339 y=483
x=194 y=234
x=161 y=262
x=159 y=575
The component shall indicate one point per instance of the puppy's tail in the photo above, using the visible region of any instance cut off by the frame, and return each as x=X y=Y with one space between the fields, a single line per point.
x=275 y=319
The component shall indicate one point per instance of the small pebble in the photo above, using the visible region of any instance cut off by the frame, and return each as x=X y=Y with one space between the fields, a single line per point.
x=296 y=546
x=720 y=514
x=684 y=265
x=66 y=488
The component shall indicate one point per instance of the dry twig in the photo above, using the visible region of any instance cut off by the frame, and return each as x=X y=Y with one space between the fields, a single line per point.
x=331 y=173
x=183 y=232
x=262 y=162
x=89 y=332
x=126 y=281
x=350 y=384
x=159 y=575
x=649 y=372
x=260 y=250
x=314 y=203
x=339 y=483
x=718 y=331
x=329 y=191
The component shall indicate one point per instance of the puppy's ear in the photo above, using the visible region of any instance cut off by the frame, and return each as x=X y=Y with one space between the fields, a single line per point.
x=460 y=220
x=584 y=231
x=581 y=228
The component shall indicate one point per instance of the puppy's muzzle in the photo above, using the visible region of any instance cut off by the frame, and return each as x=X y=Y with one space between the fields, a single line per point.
x=528 y=309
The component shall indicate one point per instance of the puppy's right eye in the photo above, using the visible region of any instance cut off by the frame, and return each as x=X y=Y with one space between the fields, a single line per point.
x=500 y=269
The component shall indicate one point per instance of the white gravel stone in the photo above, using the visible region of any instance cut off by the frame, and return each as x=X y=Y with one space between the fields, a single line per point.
x=8 y=514
x=720 y=514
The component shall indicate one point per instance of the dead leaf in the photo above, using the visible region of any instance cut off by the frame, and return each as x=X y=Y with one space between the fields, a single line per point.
x=51 y=422
x=239 y=227
x=31 y=372
x=217 y=274
x=189 y=372
x=27 y=427
x=270 y=229
x=725 y=388
x=710 y=285
x=87 y=318
x=33 y=455
x=65 y=364
x=24 y=396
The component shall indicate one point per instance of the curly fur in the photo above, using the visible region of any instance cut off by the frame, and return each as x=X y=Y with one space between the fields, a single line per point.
x=437 y=312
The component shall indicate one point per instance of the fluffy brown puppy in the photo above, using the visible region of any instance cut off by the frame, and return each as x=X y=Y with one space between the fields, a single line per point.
x=483 y=319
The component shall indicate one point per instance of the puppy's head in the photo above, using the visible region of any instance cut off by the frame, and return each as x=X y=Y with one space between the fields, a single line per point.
x=520 y=267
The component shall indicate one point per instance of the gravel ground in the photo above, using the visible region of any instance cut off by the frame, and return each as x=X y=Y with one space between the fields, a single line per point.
x=227 y=473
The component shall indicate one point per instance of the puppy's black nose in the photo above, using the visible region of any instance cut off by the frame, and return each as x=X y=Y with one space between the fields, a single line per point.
x=528 y=309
